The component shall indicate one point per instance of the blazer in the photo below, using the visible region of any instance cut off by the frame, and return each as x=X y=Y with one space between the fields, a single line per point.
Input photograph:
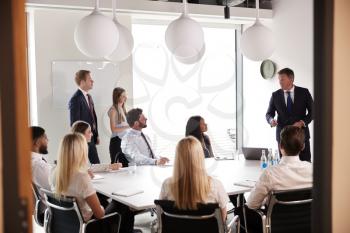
x=79 y=110
x=302 y=109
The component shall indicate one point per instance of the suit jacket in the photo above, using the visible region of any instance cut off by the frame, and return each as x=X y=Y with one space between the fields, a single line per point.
x=80 y=110
x=302 y=110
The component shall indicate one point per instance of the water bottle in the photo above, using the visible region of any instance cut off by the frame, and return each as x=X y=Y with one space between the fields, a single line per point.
x=263 y=160
x=276 y=157
x=270 y=157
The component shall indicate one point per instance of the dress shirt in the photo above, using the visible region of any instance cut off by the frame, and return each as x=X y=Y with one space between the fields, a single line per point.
x=290 y=173
x=291 y=94
x=40 y=171
x=136 y=149
x=86 y=97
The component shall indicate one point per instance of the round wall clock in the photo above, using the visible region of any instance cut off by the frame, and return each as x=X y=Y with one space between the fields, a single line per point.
x=267 y=69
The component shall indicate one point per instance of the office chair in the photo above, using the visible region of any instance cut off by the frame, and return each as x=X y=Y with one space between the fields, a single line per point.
x=207 y=218
x=63 y=215
x=40 y=206
x=287 y=211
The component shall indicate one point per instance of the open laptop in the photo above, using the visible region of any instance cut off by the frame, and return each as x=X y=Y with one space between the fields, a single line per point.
x=253 y=153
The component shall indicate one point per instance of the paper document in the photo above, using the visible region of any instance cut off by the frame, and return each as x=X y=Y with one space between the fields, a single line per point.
x=245 y=183
x=127 y=192
x=97 y=177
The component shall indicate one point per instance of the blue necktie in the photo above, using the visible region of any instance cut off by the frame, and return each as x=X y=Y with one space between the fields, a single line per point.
x=289 y=102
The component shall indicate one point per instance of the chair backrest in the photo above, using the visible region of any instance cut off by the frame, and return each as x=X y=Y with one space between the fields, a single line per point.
x=290 y=211
x=40 y=206
x=207 y=218
x=63 y=214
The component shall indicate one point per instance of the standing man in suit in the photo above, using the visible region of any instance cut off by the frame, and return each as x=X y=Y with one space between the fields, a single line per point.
x=81 y=106
x=294 y=106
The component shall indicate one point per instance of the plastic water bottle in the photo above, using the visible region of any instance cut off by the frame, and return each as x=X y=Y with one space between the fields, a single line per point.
x=263 y=160
x=276 y=157
x=270 y=157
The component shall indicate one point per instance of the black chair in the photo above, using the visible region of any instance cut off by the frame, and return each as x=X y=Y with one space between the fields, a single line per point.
x=288 y=211
x=207 y=218
x=63 y=216
x=40 y=206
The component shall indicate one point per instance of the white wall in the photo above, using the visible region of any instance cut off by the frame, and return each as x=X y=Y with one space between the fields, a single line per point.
x=54 y=30
x=292 y=26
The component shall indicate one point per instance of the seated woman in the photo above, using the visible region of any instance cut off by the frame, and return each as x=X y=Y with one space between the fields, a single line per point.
x=195 y=186
x=70 y=178
x=196 y=127
x=85 y=129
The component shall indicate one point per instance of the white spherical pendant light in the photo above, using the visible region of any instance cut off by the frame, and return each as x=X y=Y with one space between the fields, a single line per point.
x=96 y=35
x=126 y=41
x=184 y=37
x=257 y=41
x=191 y=60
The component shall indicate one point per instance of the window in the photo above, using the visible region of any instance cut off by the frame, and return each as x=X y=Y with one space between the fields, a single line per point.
x=170 y=92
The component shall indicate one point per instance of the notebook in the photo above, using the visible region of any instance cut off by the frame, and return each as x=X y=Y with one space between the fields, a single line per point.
x=245 y=183
x=97 y=177
x=128 y=192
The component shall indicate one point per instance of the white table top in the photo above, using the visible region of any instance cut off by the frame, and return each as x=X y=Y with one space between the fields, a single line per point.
x=149 y=179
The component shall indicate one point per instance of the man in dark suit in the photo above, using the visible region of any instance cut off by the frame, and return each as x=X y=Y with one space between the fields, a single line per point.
x=294 y=107
x=81 y=106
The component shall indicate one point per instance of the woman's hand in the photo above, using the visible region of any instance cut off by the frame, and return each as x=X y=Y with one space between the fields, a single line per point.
x=91 y=174
x=115 y=166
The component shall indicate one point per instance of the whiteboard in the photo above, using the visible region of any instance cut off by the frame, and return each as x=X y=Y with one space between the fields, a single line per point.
x=105 y=75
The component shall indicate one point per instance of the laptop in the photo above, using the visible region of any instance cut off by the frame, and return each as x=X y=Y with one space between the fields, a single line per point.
x=253 y=153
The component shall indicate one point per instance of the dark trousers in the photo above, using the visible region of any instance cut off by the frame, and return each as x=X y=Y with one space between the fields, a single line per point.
x=107 y=226
x=253 y=219
x=305 y=155
x=115 y=151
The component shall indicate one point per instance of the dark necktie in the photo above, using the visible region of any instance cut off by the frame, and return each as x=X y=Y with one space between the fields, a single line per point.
x=91 y=107
x=289 y=102
x=149 y=147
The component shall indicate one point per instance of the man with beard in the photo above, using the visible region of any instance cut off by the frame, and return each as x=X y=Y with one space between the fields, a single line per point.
x=135 y=144
x=40 y=167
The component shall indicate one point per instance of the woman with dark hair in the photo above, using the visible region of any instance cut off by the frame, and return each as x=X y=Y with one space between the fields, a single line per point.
x=118 y=125
x=196 y=127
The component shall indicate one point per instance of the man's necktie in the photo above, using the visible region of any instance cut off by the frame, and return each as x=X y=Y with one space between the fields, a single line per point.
x=289 y=102
x=149 y=147
x=91 y=107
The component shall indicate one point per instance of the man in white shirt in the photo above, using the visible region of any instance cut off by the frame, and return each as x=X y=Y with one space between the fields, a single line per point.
x=290 y=173
x=40 y=167
x=135 y=144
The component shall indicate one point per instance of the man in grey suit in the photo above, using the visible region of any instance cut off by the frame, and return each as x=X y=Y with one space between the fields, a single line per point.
x=294 y=106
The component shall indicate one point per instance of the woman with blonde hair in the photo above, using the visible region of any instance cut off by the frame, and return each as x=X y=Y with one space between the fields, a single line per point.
x=190 y=183
x=70 y=178
x=118 y=125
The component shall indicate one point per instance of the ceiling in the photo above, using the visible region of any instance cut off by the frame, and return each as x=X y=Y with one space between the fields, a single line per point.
x=263 y=4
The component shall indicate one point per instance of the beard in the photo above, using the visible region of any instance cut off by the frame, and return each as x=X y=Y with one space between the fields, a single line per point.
x=43 y=150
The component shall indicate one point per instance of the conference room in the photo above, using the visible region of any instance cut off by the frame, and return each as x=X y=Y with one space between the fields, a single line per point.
x=251 y=76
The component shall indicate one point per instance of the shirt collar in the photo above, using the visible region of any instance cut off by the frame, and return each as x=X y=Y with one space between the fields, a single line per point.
x=84 y=92
x=290 y=159
x=291 y=90
x=134 y=131
x=36 y=155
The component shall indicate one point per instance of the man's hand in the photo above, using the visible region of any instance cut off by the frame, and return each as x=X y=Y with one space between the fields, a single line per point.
x=162 y=161
x=97 y=141
x=299 y=124
x=273 y=123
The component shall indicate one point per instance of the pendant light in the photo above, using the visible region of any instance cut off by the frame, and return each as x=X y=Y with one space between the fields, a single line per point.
x=257 y=41
x=184 y=38
x=96 y=35
x=126 y=41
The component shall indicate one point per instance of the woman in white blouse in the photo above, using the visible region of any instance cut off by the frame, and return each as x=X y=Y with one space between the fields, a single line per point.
x=190 y=183
x=118 y=125
x=71 y=178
